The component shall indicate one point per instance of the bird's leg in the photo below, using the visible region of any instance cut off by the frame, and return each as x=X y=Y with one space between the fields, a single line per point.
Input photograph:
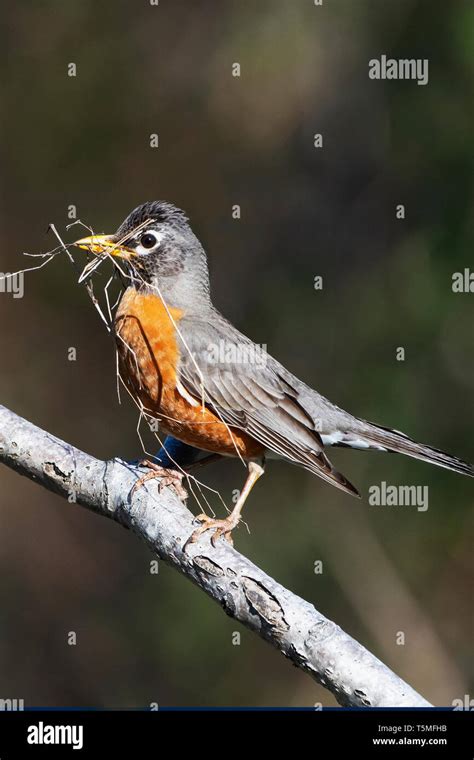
x=225 y=526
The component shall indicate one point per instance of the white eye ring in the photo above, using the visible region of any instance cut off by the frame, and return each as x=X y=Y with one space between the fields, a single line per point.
x=152 y=239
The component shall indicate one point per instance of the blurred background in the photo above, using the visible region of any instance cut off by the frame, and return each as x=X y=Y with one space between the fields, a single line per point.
x=223 y=140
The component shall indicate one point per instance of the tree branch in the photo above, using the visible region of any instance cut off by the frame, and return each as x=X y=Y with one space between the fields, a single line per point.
x=293 y=626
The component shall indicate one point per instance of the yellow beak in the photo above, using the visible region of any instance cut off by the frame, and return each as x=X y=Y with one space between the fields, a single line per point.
x=103 y=244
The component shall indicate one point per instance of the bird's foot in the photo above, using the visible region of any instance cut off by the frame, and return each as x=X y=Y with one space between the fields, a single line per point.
x=222 y=528
x=166 y=476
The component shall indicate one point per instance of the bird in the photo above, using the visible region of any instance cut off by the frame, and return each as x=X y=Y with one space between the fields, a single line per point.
x=207 y=384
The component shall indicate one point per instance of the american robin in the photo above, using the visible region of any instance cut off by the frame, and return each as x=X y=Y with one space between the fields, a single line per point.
x=209 y=385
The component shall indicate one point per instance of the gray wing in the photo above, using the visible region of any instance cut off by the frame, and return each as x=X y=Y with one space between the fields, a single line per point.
x=252 y=392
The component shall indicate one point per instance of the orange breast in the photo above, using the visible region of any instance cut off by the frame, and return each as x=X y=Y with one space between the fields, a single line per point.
x=148 y=358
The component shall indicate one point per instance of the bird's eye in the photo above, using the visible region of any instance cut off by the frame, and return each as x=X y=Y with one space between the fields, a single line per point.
x=148 y=240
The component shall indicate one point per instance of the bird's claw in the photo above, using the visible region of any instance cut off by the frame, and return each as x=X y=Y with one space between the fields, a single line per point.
x=222 y=528
x=166 y=476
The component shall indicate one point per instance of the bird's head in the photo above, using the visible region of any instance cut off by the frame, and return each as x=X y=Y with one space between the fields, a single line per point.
x=157 y=250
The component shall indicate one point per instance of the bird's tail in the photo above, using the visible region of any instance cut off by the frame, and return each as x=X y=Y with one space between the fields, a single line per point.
x=366 y=435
